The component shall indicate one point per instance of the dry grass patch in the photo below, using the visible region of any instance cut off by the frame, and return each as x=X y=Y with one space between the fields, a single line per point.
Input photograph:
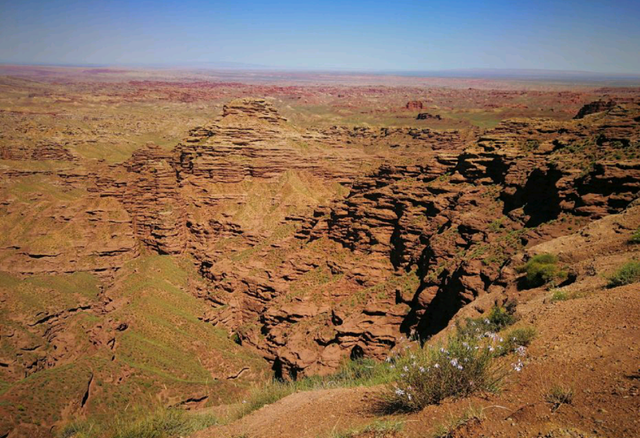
x=558 y=396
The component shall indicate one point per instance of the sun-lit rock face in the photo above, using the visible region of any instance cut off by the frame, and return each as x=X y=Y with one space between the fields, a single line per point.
x=250 y=109
x=305 y=246
x=412 y=244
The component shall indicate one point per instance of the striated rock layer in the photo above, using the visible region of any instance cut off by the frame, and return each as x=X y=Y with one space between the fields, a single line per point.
x=412 y=244
x=307 y=262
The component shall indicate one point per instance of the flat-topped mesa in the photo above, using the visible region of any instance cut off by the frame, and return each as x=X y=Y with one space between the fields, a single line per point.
x=242 y=121
x=595 y=107
x=251 y=108
x=249 y=139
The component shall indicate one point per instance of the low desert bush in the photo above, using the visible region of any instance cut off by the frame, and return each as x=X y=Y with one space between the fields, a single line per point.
x=498 y=318
x=542 y=269
x=563 y=295
x=517 y=337
x=456 y=368
x=635 y=237
x=627 y=274
x=501 y=317
x=559 y=295
x=558 y=396
x=465 y=363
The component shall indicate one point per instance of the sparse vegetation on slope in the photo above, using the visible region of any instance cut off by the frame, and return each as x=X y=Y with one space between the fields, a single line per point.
x=559 y=395
x=454 y=423
x=627 y=274
x=466 y=363
x=456 y=368
x=161 y=423
x=542 y=269
x=365 y=372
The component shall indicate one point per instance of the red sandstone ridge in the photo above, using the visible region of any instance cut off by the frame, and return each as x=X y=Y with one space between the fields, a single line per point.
x=153 y=201
x=417 y=242
x=595 y=107
x=414 y=105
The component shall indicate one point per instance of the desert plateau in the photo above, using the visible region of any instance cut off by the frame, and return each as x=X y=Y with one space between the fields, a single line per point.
x=253 y=252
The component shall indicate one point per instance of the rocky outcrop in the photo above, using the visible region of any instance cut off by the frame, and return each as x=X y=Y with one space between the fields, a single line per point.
x=91 y=234
x=595 y=107
x=414 y=105
x=393 y=140
x=44 y=150
x=412 y=244
x=306 y=284
x=255 y=109
x=428 y=116
x=250 y=140
x=152 y=199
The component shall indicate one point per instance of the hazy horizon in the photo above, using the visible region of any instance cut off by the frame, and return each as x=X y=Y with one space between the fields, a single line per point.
x=359 y=36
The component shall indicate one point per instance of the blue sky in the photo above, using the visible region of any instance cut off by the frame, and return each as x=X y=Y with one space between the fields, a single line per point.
x=598 y=36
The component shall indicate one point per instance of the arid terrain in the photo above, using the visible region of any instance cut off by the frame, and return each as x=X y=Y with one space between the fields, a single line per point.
x=173 y=241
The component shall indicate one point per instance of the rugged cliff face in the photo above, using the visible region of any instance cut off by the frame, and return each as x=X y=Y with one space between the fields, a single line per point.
x=305 y=246
x=153 y=201
x=412 y=244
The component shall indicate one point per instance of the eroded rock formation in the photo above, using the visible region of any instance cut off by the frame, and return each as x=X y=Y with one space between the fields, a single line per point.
x=412 y=244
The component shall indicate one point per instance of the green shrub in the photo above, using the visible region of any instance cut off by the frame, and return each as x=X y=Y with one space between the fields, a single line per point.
x=498 y=318
x=457 y=368
x=518 y=337
x=501 y=317
x=563 y=295
x=559 y=295
x=542 y=269
x=635 y=237
x=627 y=274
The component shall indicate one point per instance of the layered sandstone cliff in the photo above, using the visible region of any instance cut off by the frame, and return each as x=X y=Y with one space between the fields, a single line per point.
x=412 y=244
